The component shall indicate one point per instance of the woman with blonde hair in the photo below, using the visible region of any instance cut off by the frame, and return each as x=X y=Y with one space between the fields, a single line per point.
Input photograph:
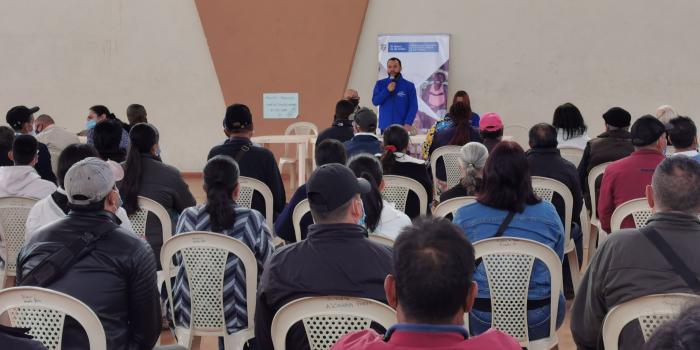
x=472 y=160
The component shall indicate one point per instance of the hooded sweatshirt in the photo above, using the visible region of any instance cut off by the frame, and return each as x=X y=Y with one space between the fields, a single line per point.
x=23 y=181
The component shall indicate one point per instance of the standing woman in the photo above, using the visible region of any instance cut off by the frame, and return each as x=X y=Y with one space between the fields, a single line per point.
x=571 y=129
x=146 y=175
x=395 y=161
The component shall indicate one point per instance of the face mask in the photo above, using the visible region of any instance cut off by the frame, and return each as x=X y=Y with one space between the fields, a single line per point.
x=90 y=124
x=361 y=222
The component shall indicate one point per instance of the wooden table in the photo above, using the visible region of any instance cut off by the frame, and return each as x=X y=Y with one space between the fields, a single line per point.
x=302 y=142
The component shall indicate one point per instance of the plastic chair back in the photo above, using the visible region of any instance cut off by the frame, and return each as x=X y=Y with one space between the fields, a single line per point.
x=249 y=186
x=593 y=175
x=326 y=319
x=571 y=154
x=381 y=239
x=299 y=128
x=396 y=190
x=139 y=218
x=450 y=206
x=299 y=211
x=638 y=208
x=13 y=219
x=44 y=312
x=450 y=156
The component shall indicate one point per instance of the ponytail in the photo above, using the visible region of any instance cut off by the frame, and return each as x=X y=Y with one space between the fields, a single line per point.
x=388 y=159
x=473 y=158
x=142 y=139
x=471 y=182
x=220 y=180
x=395 y=140
x=368 y=168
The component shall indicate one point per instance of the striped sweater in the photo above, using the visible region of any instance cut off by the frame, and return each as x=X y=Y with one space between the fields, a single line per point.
x=250 y=228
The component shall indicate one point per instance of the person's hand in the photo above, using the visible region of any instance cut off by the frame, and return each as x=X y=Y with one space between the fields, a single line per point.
x=392 y=86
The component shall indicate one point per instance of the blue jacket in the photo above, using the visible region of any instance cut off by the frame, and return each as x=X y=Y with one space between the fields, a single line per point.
x=284 y=227
x=363 y=143
x=539 y=222
x=398 y=107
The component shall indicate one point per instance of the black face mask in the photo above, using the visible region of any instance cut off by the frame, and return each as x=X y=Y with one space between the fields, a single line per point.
x=355 y=101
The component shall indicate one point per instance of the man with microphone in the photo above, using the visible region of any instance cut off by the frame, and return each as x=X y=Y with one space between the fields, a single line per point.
x=396 y=98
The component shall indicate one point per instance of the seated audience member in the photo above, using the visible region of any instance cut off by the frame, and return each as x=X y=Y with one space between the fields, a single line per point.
x=458 y=132
x=633 y=262
x=145 y=175
x=683 y=135
x=491 y=130
x=615 y=143
x=21 y=119
x=682 y=333
x=431 y=288
x=395 y=161
x=54 y=137
x=116 y=273
x=460 y=96
x=328 y=152
x=21 y=179
x=335 y=259
x=472 y=159
x=55 y=206
x=627 y=178
x=665 y=113
x=365 y=139
x=221 y=214
x=136 y=114
x=97 y=115
x=381 y=217
x=106 y=137
x=18 y=339
x=507 y=202
x=7 y=136
x=352 y=96
x=341 y=129
x=253 y=161
x=571 y=129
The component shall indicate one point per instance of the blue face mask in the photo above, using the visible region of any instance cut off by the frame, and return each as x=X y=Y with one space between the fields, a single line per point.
x=361 y=222
x=90 y=124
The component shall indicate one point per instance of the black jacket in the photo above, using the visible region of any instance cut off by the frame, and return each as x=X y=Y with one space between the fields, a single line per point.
x=341 y=130
x=43 y=165
x=549 y=163
x=417 y=170
x=335 y=259
x=117 y=279
x=258 y=163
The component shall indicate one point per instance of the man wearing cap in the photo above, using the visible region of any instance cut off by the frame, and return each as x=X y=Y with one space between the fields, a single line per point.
x=627 y=178
x=336 y=258
x=341 y=129
x=21 y=119
x=615 y=143
x=491 y=130
x=105 y=266
x=365 y=139
x=254 y=161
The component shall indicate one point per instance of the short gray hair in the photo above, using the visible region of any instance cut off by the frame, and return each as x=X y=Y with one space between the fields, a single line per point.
x=665 y=113
x=676 y=185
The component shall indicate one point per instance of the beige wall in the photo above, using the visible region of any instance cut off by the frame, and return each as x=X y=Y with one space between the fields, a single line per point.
x=523 y=58
x=67 y=55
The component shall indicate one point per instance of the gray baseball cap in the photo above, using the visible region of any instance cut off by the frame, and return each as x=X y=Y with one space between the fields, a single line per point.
x=88 y=181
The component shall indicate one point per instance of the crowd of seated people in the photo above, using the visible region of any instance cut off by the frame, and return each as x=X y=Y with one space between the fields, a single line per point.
x=429 y=276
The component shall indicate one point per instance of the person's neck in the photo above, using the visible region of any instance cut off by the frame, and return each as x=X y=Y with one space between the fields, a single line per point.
x=652 y=148
x=240 y=136
x=457 y=319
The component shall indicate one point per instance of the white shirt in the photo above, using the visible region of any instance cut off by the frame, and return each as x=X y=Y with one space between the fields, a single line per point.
x=47 y=211
x=23 y=181
x=56 y=139
x=576 y=142
x=391 y=221
x=692 y=153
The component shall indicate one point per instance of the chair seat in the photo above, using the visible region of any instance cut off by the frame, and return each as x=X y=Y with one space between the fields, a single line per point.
x=544 y=344
x=569 y=246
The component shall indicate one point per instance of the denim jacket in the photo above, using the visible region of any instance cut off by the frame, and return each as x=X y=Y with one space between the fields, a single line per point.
x=538 y=222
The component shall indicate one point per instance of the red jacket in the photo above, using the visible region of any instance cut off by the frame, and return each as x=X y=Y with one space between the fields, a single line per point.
x=431 y=339
x=624 y=180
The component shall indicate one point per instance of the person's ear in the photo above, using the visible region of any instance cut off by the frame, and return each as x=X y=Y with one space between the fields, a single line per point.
x=471 y=296
x=9 y=155
x=650 y=197
x=154 y=149
x=236 y=192
x=35 y=160
x=381 y=185
x=390 y=291
x=227 y=133
x=695 y=142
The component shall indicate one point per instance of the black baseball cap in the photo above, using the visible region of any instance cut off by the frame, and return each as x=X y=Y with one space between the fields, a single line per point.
x=332 y=185
x=19 y=115
x=366 y=119
x=617 y=117
x=237 y=117
x=646 y=130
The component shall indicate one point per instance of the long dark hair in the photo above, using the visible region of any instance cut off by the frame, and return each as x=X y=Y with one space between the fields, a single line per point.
x=220 y=180
x=100 y=110
x=106 y=137
x=368 y=167
x=461 y=94
x=143 y=137
x=461 y=115
x=395 y=140
x=568 y=118
x=507 y=183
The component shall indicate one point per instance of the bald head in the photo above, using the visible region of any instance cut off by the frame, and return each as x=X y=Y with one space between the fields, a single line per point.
x=350 y=94
x=42 y=122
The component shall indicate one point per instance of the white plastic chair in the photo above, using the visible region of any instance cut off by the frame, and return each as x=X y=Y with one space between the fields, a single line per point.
x=298 y=128
x=650 y=310
x=44 y=312
x=571 y=154
x=638 y=208
x=519 y=134
x=451 y=205
x=204 y=256
x=381 y=239
x=299 y=211
x=545 y=188
x=249 y=186
x=589 y=243
x=508 y=262
x=326 y=319
x=13 y=220
x=396 y=190
x=450 y=156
